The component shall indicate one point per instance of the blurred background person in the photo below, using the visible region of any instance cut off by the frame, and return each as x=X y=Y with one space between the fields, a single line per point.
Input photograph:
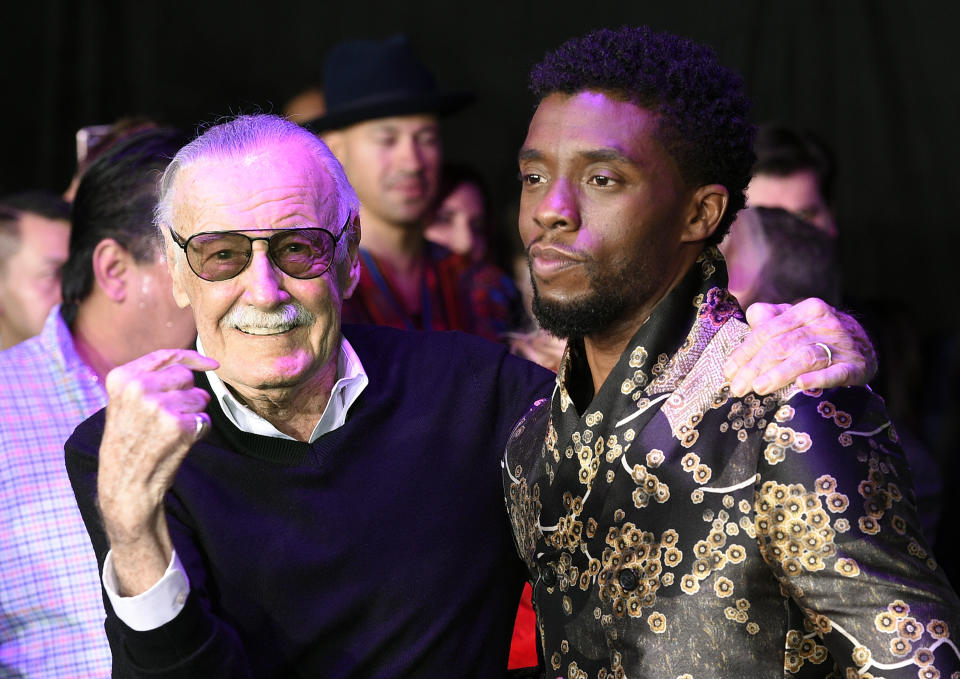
x=460 y=221
x=774 y=256
x=305 y=105
x=795 y=171
x=34 y=232
x=118 y=304
x=382 y=122
x=95 y=140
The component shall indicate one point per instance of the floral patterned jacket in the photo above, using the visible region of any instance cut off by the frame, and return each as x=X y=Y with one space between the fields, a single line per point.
x=672 y=531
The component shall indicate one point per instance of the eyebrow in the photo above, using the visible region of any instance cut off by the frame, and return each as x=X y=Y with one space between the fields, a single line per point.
x=592 y=155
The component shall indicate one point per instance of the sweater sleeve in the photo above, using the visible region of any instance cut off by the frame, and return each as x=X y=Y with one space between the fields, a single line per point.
x=837 y=523
x=519 y=383
x=195 y=643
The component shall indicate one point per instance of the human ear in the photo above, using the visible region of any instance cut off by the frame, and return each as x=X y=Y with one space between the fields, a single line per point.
x=111 y=265
x=707 y=207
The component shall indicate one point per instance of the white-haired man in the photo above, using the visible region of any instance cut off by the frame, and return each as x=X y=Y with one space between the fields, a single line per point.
x=319 y=503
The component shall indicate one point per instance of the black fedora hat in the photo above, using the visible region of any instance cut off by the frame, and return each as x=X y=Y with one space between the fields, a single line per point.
x=365 y=79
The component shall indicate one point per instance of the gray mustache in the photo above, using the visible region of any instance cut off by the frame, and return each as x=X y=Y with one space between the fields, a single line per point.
x=286 y=317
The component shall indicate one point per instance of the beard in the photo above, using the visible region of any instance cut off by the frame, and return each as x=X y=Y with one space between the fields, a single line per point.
x=610 y=297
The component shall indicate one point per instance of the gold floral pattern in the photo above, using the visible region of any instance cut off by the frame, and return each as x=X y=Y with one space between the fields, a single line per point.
x=718 y=522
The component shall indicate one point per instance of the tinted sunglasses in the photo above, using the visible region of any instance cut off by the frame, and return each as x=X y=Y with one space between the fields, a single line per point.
x=222 y=255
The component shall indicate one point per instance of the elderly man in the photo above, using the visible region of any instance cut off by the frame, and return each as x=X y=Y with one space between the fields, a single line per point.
x=313 y=543
x=670 y=527
x=117 y=307
x=319 y=502
x=34 y=232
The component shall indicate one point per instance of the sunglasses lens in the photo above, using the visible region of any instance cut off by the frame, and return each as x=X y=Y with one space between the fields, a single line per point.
x=218 y=256
x=302 y=253
x=299 y=253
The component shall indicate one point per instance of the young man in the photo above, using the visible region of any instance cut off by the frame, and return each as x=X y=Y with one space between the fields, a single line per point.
x=671 y=528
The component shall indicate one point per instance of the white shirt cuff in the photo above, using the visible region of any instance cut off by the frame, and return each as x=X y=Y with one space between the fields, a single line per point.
x=158 y=605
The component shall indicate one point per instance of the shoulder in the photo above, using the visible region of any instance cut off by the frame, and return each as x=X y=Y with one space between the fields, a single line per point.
x=25 y=369
x=448 y=349
x=528 y=436
x=840 y=415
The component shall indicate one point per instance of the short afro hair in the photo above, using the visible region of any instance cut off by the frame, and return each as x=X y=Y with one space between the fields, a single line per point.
x=703 y=110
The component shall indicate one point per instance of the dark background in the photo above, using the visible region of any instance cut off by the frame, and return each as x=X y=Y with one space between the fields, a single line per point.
x=876 y=79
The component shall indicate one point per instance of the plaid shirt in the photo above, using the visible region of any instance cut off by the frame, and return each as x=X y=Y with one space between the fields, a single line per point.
x=455 y=293
x=51 y=611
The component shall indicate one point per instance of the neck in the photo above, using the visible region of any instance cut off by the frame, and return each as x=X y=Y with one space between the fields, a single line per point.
x=400 y=246
x=100 y=338
x=603 y=349
x=294 y=410
x=8 y=337
x=398 y=249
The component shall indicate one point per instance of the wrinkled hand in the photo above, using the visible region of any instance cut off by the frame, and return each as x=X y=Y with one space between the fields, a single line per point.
x=151 y=423
x=781 y=348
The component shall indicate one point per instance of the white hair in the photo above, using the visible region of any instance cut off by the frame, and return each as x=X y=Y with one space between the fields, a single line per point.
x=234 y=140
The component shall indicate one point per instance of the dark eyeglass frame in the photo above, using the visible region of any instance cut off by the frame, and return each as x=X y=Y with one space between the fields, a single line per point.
x=182 y=244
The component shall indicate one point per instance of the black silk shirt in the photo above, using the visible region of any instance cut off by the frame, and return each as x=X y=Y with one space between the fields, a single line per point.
x=673 y=531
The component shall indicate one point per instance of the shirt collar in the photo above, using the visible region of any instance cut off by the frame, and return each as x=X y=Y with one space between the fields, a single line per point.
x=351 y=381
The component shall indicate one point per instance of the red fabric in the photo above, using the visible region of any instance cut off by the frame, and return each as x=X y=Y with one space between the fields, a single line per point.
x=523 y=648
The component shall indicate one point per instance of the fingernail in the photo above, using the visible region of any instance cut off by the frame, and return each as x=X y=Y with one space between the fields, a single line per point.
x=761 y=385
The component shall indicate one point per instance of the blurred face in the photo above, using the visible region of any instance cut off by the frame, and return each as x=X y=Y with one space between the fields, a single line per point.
x=267 y=330
x=459 y=222
x=394 y=165
x=798 y=193
x=601 y=212
x=30 y=283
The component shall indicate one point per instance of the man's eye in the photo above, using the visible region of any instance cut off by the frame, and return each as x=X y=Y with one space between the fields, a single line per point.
x=602 y=180
x=531 y=179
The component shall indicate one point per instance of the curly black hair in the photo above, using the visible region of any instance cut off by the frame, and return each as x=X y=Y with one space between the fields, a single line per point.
x=703 y=110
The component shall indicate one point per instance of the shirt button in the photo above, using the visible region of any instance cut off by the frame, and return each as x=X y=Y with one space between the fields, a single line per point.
x=549 y=576
x=628 y=579
x=181 y=598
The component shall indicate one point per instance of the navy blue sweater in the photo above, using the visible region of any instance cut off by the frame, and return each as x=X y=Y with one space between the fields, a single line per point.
x=380 y=550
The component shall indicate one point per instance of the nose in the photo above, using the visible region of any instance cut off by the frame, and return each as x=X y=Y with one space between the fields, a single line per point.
x=409 y=156
x=263 y=281
x=558 y=208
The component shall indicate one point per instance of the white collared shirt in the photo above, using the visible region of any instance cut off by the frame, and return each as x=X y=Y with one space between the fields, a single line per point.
x=163 y=602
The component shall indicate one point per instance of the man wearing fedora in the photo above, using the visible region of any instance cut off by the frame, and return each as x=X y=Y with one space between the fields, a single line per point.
x=382 y=123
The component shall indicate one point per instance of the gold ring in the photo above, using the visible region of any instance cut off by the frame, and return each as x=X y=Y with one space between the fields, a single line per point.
x=200 y=424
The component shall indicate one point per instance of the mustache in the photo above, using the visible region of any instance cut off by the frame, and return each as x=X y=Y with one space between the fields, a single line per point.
x=283 y=318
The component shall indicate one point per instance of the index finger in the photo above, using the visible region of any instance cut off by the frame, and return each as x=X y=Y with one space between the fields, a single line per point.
x=162 y=358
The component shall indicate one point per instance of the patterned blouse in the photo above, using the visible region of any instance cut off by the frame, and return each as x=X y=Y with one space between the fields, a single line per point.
x=673 y=531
